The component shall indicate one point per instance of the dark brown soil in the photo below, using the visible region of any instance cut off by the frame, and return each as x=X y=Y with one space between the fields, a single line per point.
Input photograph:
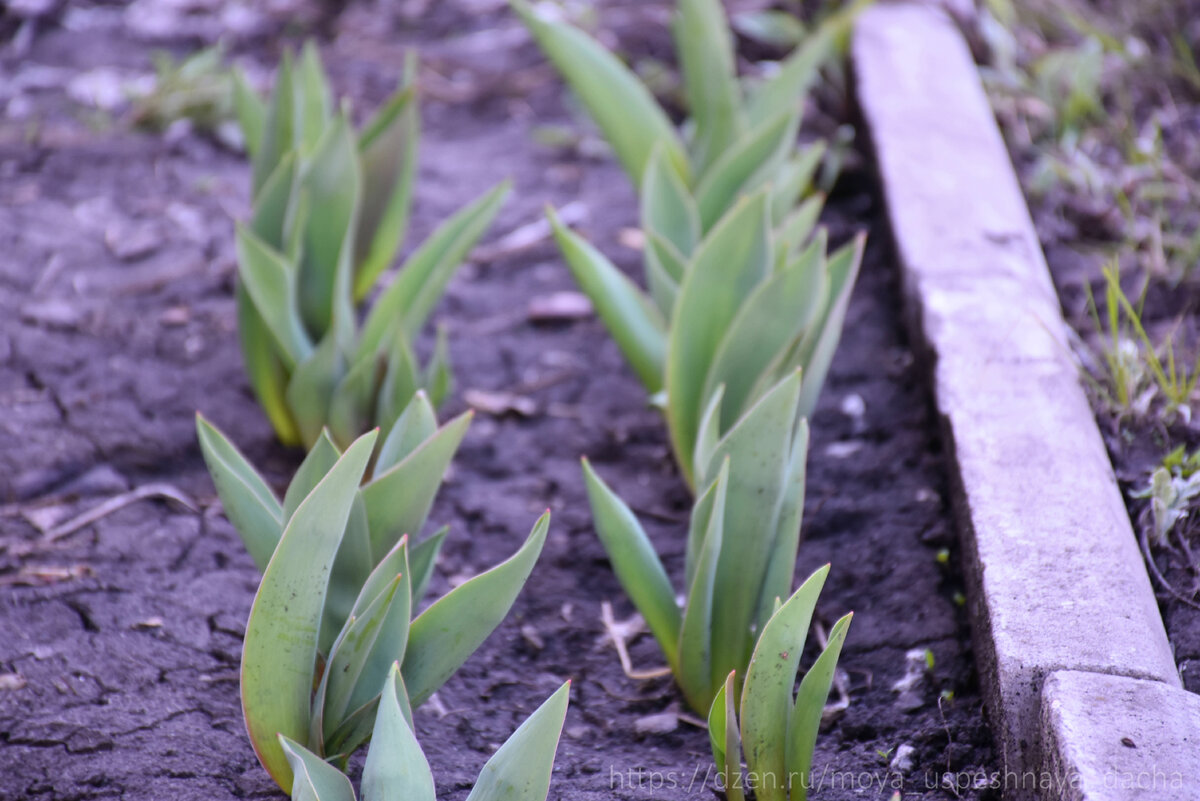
x=126 y=633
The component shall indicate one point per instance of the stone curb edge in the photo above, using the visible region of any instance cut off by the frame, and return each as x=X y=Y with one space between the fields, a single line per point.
x=1058 y=595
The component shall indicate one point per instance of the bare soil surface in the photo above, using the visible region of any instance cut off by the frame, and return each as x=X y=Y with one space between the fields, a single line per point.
x=120 y=640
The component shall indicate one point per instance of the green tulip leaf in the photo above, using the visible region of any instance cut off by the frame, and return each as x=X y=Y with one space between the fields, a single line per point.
x=315 y=779
x=388 y=150
x=621 y=106
x=697 y=675
x=636 y=564
x=331 y=183
x=417 y=423
x=733 y=259
x=520 y=769
x=396 y=768
x=767 y=691
x=706 y=59
x=399 y=499
x=744 y=167
x=629 y=315
x=448 y=632
x=805 y=721
x=316 y=465
x=249 y=503
x=271 y=283
x=280 y=651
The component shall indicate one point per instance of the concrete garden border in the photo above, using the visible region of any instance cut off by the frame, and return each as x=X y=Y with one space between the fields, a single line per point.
x=1079 y=678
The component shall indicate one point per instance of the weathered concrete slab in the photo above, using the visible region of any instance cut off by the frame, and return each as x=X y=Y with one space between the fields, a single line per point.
x=1110 y=738
x=1055 y=576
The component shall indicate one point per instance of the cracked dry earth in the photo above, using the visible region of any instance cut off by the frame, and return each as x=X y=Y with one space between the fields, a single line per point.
x=120 y=639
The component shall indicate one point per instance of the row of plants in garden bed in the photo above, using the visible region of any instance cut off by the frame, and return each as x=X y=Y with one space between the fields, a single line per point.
x=1099 y=107
x=733 y=341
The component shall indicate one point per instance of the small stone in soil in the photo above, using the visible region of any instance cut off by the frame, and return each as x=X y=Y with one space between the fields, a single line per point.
x=661 y=723
x=904 y=759
x=559 y=307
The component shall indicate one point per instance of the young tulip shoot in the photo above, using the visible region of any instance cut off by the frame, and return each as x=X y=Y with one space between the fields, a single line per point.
x=341 y=582
x=330 y=211
x=742 y=542
x=778 y=729
x=396 y=769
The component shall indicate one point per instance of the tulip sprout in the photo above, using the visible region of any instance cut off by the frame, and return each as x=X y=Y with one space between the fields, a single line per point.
x=396 y=767
x=330 y=210
x=778 y=730
x=341 y=582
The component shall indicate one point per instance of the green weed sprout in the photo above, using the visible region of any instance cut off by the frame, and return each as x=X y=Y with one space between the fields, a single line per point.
x=1133 y=369
x=743 y=537
x=777 y=730
x=330 y=210
x=396 y=768
x=341 y=581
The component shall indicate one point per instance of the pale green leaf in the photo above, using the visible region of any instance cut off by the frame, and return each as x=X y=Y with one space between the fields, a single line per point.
x=401 y=380
x=701 y=517
x=636 y=564
x=315 y=779
x=251 y=113
x=352 y=400
x=448 y=632
x=330 y=182
x=416 y=423
x=346 y=659
x=520 y=769
x=423 y=277
x=793 y=180
x=249 y=503
x=277 y=135
x=271 y=285
x=388 y=150
x=319 y=461
x=280 y=650
x=743 y=167
x=662 y=263
x=621 y=106
x=716 y=725
x=796 y=229
x=667 y=208
x=732 y=768
x=314 y=100
x=697 y=672
x=759 y=447
x=708 y=434
x=780 y=308
x=396 y=768
x=399 y=499
x=350 y=570
x=265 y=369
x=767 y=691
x=805 y=722
x=733 y=259
x=817 y=354
x=789 y=510
x=437 y=377
x=311 y=387
x=706 y=60
x=424 y=559
x=271 y=204
x=631 y=317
